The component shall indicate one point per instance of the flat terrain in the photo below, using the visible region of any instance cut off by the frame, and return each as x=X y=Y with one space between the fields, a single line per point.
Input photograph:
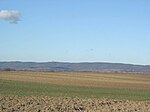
x=86 y=79
x=32 y=91
x=83 y=84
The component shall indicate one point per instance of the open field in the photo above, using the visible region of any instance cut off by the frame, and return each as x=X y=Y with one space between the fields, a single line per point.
x=86 y=79
x=39 y=89
x=85 y=84
x=74 y=91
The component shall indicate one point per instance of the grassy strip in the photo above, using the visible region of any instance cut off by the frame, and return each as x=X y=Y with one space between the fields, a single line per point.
x=20 y=88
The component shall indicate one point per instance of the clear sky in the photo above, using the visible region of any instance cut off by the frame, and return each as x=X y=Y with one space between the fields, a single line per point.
x=115 y=31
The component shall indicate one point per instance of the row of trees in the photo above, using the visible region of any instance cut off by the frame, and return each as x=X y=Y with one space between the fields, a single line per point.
x=8 y=69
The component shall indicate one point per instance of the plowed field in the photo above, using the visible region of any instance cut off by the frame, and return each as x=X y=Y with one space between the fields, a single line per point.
x=32 y=91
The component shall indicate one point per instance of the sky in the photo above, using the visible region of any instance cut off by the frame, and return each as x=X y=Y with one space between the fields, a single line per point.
x=116 y=31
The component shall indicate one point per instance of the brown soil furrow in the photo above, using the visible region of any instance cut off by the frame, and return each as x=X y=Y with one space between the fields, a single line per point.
x=70 y=104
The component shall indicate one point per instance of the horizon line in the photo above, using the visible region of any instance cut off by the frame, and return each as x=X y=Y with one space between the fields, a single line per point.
x=77 y=62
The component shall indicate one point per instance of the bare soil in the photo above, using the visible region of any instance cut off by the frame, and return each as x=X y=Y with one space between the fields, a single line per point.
x=69 y=104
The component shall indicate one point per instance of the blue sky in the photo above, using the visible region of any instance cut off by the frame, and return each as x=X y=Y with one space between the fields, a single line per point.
x=115 y=31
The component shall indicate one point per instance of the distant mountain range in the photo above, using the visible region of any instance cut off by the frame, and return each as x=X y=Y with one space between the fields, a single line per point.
x=85 y=66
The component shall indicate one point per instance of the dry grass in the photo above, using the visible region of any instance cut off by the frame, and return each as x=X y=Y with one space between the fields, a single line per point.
x=88 y=79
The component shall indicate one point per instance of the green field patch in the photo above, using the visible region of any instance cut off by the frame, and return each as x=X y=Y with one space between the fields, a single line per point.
x=8 y=87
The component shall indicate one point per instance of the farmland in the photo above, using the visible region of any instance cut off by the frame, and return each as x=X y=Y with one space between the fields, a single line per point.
x=76 y=86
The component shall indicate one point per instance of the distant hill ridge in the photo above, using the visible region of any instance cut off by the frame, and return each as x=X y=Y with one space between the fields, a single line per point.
x=83 y=66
